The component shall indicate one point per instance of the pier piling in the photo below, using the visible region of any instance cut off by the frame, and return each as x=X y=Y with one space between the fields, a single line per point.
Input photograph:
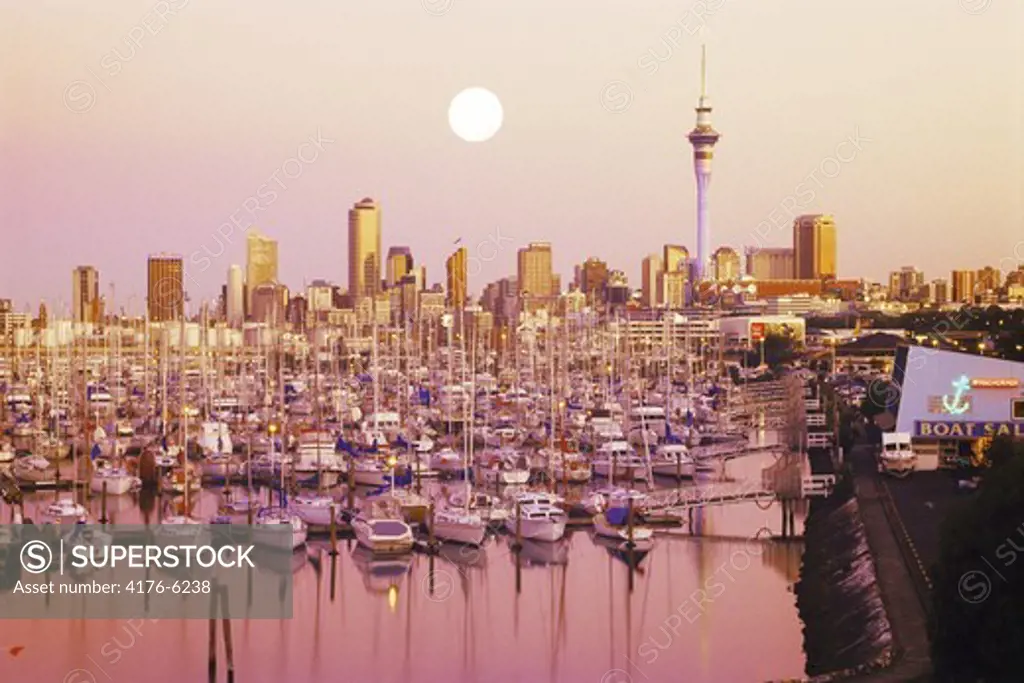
x=103 y=504
x=334 y=531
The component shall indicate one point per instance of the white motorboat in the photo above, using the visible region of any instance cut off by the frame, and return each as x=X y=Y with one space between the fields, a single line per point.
x=268 y=524
x=460 y=526
x=488 y=507
x=673 y=460
x=538 y=522
x=117 y=480
x=623 y=459
x=383 y=535
x=33 y=469
x=316 y=510
x=65 y=511
x=6 y=454
x=316 y=460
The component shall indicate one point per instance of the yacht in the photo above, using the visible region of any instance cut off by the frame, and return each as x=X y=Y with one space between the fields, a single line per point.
x=488 y=507
x=118 y=480
x=33 y=469
x=504 y=468
x=538 y=522
x=269 y=522
x=673 y=460
x=383 y=535
x=315 y=510
x=460 y=526
x=621 y=457
x=65 y=511
x=316 y=460
x=614 y=523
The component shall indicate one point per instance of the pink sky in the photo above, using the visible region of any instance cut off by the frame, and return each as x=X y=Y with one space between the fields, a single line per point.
x=108 y=156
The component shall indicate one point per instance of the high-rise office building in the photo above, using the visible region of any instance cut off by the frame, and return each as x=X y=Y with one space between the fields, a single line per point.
x=260 y=262
x=650 y=269
x=399 y=265
x=234 y=297
x=727 y=264
x=675 y=257
x=269 y=304
x=814 y=247
x=988 y=280
x=938 y=292
x=165 y=287
x=85 y=294
x=534 y=273
x=906 y=283
x=963 y=285
x=772 y=263
x=364 y=269
x=703 y=138
x=674 y=288
x=593 y=278
x=456 y=268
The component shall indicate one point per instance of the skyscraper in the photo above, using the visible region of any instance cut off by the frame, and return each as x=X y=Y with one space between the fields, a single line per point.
x=534 y=271
x=963 y=282
x=769 y=263
x=727 y=264
x=675 y=257
x=703 y=138
x=593 y=278
x=456 y=267
x=364 y=272
x=234 y=297
x=85 y=294
x=814 y=247
x=650 y=269
x=906 y=283
x=260 y=262
x=165 y=287
x=399 y=264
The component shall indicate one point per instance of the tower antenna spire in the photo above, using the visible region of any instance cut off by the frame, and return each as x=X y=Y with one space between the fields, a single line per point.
x=703 y=70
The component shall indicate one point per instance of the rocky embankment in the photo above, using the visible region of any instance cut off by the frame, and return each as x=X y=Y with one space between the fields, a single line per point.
x=846 y=629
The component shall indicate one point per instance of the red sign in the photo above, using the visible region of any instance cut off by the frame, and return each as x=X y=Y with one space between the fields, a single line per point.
x=756 y=332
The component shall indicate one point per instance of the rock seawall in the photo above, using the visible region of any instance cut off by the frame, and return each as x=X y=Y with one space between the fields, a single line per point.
x=846 y=628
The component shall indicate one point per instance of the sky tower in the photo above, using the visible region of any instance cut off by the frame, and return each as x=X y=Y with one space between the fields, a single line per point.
x=703 y=138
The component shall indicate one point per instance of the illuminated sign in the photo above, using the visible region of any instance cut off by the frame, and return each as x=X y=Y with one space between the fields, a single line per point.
x=956 y=406
x=935 y=406
x=995 y=383
x=967 y=430
x=756 y=331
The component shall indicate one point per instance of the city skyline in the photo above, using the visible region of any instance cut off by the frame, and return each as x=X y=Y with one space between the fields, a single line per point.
x=570 y=157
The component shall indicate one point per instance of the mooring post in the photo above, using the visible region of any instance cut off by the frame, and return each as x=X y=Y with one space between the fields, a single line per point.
x=103 y=503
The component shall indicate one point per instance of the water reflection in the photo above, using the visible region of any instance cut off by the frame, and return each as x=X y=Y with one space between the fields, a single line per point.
x=708 y=606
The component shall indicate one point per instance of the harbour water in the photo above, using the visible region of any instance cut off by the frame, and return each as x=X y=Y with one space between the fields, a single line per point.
x=712 y=604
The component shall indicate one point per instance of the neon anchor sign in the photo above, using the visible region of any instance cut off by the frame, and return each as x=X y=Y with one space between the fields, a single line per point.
x=957 y=406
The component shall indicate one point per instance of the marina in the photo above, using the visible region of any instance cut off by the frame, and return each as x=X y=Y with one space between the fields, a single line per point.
x=508 y=515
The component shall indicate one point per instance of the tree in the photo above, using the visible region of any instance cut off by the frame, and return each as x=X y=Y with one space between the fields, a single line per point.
x=977 y=632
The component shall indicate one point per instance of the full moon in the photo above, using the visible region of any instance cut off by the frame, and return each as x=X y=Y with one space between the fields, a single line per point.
x=475 y=114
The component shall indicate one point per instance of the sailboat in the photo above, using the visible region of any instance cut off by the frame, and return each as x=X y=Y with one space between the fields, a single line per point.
x=463 y=525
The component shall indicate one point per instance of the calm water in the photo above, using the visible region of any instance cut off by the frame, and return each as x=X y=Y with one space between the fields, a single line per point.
x=718 y=607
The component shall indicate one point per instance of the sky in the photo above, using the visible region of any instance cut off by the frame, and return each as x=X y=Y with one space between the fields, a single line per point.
x=131 y=127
